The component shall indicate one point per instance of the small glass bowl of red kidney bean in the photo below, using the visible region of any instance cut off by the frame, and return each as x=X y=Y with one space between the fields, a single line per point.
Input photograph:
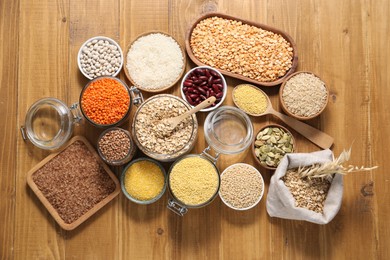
x=201 y=83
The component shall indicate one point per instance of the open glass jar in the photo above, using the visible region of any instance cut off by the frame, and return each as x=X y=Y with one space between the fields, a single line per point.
x=193 y=182
x=153 y=139
x=49 y=121
x=227 y=130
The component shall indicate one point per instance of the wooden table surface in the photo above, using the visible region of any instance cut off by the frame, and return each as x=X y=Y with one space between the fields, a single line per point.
x=347 y=43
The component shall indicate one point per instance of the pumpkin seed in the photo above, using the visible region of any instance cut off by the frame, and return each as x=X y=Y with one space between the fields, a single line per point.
x=271 y=144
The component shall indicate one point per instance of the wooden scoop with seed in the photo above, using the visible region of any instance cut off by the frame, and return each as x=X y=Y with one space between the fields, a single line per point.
x=317 y=137
x=167 y=125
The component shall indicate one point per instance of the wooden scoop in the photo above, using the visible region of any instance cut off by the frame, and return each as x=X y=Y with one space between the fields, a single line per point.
x=172 y=122
x=317 y=137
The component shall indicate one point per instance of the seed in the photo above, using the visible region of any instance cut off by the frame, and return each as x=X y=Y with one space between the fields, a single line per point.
x=268 y=148
x=241 y=186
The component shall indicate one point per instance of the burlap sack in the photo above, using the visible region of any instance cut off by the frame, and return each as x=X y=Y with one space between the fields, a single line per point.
x=280 y=202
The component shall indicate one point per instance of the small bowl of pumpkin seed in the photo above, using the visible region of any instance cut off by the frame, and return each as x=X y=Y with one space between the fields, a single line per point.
x=270 y=144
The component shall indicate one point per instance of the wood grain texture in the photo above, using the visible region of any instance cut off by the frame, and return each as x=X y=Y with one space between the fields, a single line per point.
x=346 y=43
x=9 y=15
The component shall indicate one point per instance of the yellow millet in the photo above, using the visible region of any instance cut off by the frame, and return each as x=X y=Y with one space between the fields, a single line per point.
x=144 y=180
x=194 y=180
x=250 y=99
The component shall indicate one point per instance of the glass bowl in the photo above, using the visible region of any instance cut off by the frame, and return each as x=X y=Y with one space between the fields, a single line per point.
x=147 y=119
x=228 y=130
x=119 y=121
x=131 y=198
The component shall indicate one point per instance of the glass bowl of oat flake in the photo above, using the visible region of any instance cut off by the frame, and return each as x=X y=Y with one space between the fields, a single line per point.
x=157 y=140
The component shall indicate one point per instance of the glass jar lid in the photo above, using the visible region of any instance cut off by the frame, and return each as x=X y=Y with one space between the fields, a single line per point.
x=49 y=123
x=228 y=130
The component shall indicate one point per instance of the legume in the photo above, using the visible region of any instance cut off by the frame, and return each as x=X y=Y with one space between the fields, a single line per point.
x=241 y=186
x=201 y=84
x=250 y=99
x=105 y=101
x=304 y=95
x=241 y=48
x=194 y=180
x=115 y=145
x=144 y=180
x=154 y=61
x=100 y=58
x=73 y=182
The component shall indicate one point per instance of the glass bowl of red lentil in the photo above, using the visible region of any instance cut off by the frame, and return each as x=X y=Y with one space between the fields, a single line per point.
x=105 y=102
x=152 y=140
x=303 y=95
x=202 y=82
x=115 y=146
x=193 y=182
x=242 y=186
x=143 y=181
x=270 y=144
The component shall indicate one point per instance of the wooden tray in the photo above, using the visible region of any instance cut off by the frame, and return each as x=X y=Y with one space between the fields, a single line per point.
x=160 y=89
x=238 y=76
x=47 y=204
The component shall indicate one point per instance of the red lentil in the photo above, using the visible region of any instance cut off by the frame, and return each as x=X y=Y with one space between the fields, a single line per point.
x=105 y=101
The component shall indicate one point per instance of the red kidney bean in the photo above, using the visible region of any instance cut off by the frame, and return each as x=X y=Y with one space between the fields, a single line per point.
x=214 y=74
x=210 y=80
x=217 y=81
x=201 y=90
x=199 y=71
x=187 y=83
x=202 y=84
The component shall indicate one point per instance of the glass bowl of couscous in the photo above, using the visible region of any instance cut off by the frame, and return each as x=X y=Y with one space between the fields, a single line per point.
x=143 y=181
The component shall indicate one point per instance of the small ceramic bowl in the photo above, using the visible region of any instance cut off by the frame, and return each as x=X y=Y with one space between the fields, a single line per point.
x=267 y=143
x=302 y=97
x=174 y=81
x=253 y=169
x=191 y=90
x=131 y=198
x=90 y=41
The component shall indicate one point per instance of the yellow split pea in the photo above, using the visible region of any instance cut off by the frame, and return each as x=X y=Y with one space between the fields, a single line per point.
x=144 y=180
x=250 y=99
x=194 y=180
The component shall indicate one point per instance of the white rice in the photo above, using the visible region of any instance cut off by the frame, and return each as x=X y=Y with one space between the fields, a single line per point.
x=154 y=61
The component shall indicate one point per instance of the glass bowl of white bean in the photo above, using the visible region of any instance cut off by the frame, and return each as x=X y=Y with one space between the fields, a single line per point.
x=100 y=56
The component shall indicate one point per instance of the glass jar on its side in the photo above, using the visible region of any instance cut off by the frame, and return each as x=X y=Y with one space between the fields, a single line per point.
x=49 y=123
x=156 y=141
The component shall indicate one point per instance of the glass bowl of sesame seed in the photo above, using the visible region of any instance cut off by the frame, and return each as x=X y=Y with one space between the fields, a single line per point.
x=303 y=95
